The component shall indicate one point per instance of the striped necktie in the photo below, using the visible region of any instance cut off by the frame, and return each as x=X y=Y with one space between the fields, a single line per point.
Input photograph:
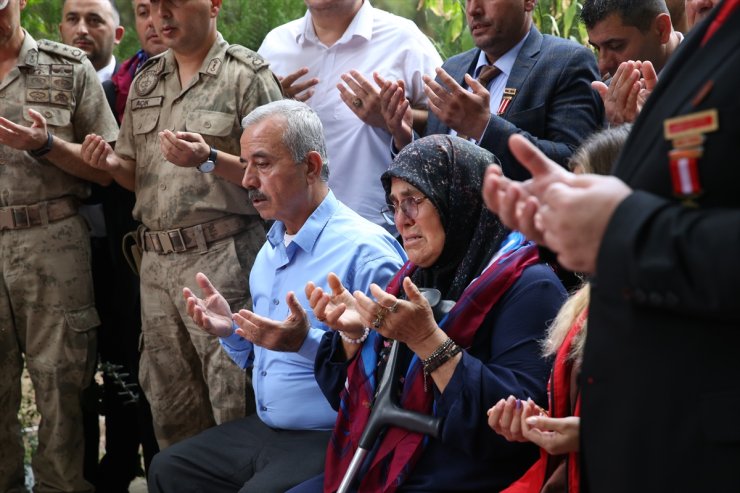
x=487 y=74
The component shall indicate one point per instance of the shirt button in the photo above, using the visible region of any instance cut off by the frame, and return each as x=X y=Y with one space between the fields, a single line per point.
x=263 y=373
x=162 y=186
x=207 y=124
x=47 y=114
x=275 y=301
x=263 y=408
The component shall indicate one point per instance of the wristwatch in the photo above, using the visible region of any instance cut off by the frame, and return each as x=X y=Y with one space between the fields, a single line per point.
x=209 y=164
x=44 y=149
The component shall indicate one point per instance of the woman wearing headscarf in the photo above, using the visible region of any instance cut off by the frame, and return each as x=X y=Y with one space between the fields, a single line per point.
x=485 y=348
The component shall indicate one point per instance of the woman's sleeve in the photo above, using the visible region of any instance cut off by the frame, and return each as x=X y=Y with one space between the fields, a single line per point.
x=504 y=360
x=329 y=368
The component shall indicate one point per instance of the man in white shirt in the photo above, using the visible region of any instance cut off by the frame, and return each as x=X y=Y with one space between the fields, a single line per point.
x=94 y=27
x=334 y=50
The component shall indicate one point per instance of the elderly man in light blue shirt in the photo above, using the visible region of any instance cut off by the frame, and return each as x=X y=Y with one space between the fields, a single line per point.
x=285 y=172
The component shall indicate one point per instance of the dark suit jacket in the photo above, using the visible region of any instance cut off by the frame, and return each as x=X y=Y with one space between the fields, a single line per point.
x=661 y=371
x=554 y=106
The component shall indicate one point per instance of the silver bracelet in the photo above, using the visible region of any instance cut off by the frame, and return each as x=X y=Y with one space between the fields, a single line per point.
x=359 y=340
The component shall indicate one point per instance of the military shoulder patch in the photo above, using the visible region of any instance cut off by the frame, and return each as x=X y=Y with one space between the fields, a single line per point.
x=247 y=56
x=69 y=52
x=148 y=77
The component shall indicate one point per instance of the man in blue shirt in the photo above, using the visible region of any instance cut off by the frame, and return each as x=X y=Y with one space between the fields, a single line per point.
x=285 y=172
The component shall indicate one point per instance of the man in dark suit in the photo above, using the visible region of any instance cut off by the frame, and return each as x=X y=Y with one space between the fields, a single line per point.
x=660 y=385
x=540 y=88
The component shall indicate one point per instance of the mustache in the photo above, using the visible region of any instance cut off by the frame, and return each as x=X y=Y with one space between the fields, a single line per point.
x=255 y=194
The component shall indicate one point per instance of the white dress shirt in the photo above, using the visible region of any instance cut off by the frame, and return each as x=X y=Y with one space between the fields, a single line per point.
x=375 y=41
x=106 y=72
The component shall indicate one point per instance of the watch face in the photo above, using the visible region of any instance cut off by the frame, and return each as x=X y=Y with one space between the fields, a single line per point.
x=206 y=167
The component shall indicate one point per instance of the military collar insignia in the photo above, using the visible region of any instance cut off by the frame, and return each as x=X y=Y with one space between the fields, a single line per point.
x=32 y=58
x=214 y=66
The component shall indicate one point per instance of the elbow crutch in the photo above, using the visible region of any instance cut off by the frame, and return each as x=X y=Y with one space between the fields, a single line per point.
x=386 y=410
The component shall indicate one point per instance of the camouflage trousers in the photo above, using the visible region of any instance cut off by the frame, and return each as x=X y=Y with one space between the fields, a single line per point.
x=190 y=382
x=47 y=316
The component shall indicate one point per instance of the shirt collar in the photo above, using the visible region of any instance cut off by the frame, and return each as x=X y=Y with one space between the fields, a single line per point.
x=309 y=233
x=106 y=72
x=361 y=25
x=211 y=63
x=505 y=63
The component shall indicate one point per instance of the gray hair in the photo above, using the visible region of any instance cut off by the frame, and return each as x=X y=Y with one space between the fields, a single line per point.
x=303 y=131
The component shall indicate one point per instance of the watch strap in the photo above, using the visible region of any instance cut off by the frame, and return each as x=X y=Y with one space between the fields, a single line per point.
x=44 y=149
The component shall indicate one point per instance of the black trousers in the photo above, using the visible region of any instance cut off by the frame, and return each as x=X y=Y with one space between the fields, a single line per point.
x=244 y=456
x=128 y=423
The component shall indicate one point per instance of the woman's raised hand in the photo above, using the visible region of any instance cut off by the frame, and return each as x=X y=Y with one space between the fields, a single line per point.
x=336 y=310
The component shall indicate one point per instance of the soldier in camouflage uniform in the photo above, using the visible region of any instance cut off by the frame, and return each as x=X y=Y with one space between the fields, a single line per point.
x=50 y=98
x=184 y=112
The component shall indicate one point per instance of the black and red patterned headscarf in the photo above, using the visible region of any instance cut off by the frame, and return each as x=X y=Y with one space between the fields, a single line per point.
x=449 y=172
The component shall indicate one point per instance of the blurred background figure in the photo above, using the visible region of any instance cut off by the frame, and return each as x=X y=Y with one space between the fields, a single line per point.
x=698 y=10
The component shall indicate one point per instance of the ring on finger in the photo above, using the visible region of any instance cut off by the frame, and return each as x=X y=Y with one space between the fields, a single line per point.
x=357 y=102
x=391 y=309
x=379 y=318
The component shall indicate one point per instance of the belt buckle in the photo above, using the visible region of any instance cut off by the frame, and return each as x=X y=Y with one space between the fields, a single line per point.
x=172 y=241
x=20 y=217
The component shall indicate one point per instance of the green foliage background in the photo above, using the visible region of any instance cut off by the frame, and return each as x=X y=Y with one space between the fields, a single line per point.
x=248 y=21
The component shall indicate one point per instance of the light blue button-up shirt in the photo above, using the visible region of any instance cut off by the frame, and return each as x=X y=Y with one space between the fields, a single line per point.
x=333 y=239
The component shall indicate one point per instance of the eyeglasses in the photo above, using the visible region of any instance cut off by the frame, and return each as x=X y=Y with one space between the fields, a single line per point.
x=409 y=206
